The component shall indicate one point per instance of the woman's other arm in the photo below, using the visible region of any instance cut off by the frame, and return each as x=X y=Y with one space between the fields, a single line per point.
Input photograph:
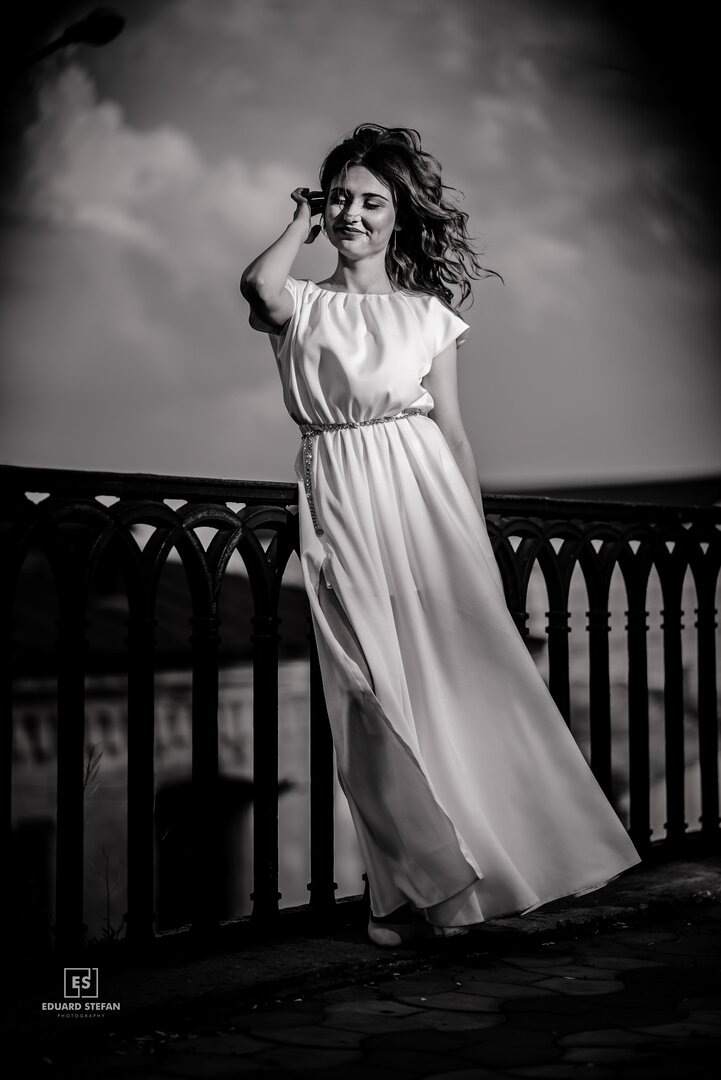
x=262 y=282
x=442 y=384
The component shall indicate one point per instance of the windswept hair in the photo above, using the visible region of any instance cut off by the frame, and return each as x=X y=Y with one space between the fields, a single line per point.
x=431 y=252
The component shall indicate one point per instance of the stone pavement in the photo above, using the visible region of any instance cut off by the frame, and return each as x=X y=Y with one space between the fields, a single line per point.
x=635 y=994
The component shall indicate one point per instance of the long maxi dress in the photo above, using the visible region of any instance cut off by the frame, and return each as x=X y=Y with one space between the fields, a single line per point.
x=469 y=795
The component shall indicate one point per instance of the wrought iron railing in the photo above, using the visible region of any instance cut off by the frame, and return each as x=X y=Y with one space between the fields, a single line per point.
x=80 y=520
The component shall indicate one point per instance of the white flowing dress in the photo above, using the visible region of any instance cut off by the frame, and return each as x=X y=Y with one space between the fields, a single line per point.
x=468 y=793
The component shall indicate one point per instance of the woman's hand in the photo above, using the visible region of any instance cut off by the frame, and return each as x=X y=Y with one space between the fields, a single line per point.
x=304 y=211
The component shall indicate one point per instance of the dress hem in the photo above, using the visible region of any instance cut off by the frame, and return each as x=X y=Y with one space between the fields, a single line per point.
x=521 y=912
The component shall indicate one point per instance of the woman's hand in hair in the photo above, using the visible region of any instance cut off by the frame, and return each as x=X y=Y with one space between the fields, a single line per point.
x=304 y=211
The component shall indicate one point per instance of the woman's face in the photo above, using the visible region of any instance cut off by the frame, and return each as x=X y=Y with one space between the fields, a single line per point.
x=360 y=214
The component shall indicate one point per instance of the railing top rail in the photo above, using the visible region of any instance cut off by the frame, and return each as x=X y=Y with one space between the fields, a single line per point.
x=17 y=479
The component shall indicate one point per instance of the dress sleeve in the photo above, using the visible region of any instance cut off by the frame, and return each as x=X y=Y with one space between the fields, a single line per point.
x=276 y=339
x=448 y=327
x=293 y=287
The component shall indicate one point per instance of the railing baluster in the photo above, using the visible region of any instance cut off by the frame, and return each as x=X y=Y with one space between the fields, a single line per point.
x=265 y=895
x=673 y=720
x=141 y=779
x=321 y=885
x=599 y=697
x=638 y=726
x=708 y=740
x=205 y=640
x=708 y=717
x=558 y=630
x=69 y=927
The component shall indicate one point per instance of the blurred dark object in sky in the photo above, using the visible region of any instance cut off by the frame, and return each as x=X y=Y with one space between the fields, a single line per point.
x=100 y=27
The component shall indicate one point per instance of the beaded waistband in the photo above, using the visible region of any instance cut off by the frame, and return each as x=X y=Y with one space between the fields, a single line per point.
x=309 y=430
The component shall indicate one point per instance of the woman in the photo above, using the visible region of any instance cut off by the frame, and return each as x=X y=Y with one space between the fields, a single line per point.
x=469 y=796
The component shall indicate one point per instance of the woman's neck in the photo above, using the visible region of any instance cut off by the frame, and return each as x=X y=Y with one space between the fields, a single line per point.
x=361 y=277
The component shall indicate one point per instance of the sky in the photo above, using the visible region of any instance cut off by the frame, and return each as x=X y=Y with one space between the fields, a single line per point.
x=153 y=170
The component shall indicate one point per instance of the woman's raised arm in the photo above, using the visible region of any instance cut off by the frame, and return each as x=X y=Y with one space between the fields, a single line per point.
x=262 y=282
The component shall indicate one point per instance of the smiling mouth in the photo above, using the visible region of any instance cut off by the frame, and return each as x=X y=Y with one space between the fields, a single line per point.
x=353 y=232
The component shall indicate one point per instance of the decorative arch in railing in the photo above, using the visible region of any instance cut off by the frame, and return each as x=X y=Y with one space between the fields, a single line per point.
x=76 y=531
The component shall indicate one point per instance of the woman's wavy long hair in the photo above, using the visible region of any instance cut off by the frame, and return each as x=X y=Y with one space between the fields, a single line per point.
x=431 y=252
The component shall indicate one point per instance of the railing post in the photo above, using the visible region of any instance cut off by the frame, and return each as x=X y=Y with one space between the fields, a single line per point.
x=599 y=697
x=674 y=722
x=322 y=857
x=72 y=647
x=639 y=777
x=265 y=895
x=708 y=719
x=140 y=916
x=558 y=630
x=205 y=640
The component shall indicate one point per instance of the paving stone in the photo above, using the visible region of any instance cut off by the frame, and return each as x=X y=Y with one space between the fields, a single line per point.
x=578 y=986
x=375 y=1025
x=607 y=1037
x=445 y=1020
x=402 y=988
x=706 y=1016
x=505 y=991
x=456 y=1001
x=607 y=1055
x=704 y=951
x=344 y=993
x=617 y=963
x=711 y=1001
x=507 y=1052
x=233 y=1043
x=643 y=937
x=409 y=1062
x=555 y=1005
x=563 y=1023
x=533 y=963
x=202 y=1065
x=370 y=1008
x=680 y=1029
x=555 y=1071
x=306 y=1059
x=258 y=1019
x=466 y=1074
x=574 y=970
x=680 y=1067
x=498 y=973
x=326 y=1037
x=359 y=1071
x=435 y=1041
